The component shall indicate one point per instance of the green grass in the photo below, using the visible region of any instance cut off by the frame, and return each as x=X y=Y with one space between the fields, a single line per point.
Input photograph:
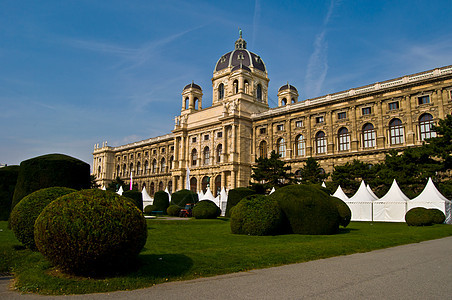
x=181 y=250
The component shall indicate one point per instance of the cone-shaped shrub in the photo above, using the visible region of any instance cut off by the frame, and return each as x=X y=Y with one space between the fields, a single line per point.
x=26 y=212
x=234 y=197
x=345 y=214
x=308 y=209
x=8 y=179
x=206 y=209
x=136 y=196
x=48 y=171
x=418 y=216
x=91 y=232
x=182 y=197
x=161 y=201
x=256 y=215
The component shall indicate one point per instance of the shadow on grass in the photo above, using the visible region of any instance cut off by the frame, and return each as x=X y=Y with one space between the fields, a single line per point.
x=346 y=230
x=163 y=265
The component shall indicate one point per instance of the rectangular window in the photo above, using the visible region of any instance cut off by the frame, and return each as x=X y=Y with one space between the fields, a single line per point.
x=193 y=139
x=342 y=115
x=262 y=130
x=139 y=155
x=206 y=137
x=299 y=124
x=131 y=156
x=172 y=148
x=280 y=127
x=163 y=150
x=319 y=119
x=220 y=134
x=154 y=152
x=423 y=99
x=366 y=111
x=393 y=105
x=146 y=153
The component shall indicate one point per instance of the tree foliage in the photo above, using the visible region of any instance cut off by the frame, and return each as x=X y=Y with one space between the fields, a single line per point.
x=312 y=173
x=272 y=172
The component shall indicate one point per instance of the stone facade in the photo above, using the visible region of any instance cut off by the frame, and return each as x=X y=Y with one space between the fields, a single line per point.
x=218 y=145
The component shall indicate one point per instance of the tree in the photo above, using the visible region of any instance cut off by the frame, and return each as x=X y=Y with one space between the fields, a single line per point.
x=349 y=176
x=116 y=184
x=272 y=172
x=94 y=184
x=441 y=145
x=312 y=173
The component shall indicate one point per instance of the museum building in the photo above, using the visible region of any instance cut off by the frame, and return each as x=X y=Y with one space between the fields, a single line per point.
x=218 y=145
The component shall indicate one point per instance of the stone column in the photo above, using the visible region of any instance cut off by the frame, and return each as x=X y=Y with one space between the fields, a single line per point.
x=410 y=133
x=355 y=130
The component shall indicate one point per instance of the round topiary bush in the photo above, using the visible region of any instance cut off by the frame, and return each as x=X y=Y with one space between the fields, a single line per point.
x=173 y=210
x=437 y=216
x=24 y=214
x=418 y=216
x=8 y=179
x=48 y=171
x=182 y=197
x=161 y=201
x=91 y=232
x=206 y=209
x=308 y=209
x=345 y=214
x=256 y=215
x=136 y=196
x=234 y=197
x=149 y=209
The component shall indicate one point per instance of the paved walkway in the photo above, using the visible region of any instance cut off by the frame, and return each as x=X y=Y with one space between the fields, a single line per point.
x=415 y=271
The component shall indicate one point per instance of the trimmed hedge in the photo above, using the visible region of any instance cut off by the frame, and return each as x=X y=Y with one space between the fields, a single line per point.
x=418 y=216
x=206 y=209
x=438 y=216
x=161 y=201
x=345 y=214
x=173 y=210
x=91 y=232
x=149 y=209
x=49 y=171
x=182 y=197
x=8 y=179
x=136 y=196
x=256 y=215
x=308 y=209
x=234 y=197
x=25 y=213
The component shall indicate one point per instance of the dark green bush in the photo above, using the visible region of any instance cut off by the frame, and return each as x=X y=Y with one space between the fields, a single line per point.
x=437 y=216
x=136 y=196
x=48 y=171
x=24 y=214
x=418 y=216
x=308 y=209
x=149 y=209
x=161 y=201
x=345 y=214
x=256 y=215
x=234 y=197
x=8 y=179
x=206 y=209
x=182 y=197
x=91 y=232
x=173 y=210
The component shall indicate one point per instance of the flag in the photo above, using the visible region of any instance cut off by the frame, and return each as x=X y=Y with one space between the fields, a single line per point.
x=131 y=180
x=187 y=183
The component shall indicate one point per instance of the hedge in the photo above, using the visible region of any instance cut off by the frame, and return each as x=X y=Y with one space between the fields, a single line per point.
x=182 y=197
x=234 y=197
x=136 y=196
x=8 y=179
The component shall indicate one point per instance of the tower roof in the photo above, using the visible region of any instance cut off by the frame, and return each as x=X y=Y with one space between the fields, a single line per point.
x=287 y=87
x=192 y=85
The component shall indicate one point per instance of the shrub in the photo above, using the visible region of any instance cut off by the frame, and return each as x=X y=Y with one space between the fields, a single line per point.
x=256 y=215
x=8 y=179
x=418 y=216
x=182 y=197
x=345 y=214
x=149 y=209
x=308 y=209
x=161 y=201
x=234 y=197
x=173 y=210
x=24 y=214
x=206 y=209
x=136 y=196
x=91 y=232
x=437 y=216
x=49 y=171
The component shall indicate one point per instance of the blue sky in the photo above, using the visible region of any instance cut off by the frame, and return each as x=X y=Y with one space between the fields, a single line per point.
x=76 y=73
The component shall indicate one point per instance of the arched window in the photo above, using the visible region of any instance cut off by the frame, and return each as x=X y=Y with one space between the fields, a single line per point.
x=187 y=100
x=131 y=168
x=146 y=167
x=396 y=132
x=204 y=184
x=152 y=189
x=138 y=168
x=263 y=149
x=320 y=142
x=160 y=186
x=235 y=86
x=293 y=100
x=343 y=138
x=154 y=166
x=170 y=187
x=259 y=92
x=220 y=91
x=281 y=145
x=194 y=185
x=247 y=87
x=171 y=162
x=219 y=152
x=283 y=102
x=206 y=154
x=194 y=157
x=217 y=189
x=98 y=171
x=162 y=165
x=300 y=145
x=368 y=136
x=118 y=170
x=425 y=127
x=124 y=170
x=195 y=103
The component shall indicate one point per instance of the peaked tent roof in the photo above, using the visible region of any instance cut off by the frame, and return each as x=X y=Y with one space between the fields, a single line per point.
x=223 y=195
x=169 y=195
x=362 y=194
x=339 y=193
x=145 y=195
x=371 y=192
x=208 y=196
x=430 y=194
x=120 y=191
x=394 y=194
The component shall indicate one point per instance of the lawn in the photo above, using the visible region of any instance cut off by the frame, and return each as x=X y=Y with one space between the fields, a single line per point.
x=181 y=250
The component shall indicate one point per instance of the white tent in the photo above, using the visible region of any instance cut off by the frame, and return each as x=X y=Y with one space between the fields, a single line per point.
x=104 y=188
x=392 y=206
x=120 y=191
x=361 y=204
x=169 y=195
x=208 y=195
x=371 y=192
x=272 y=191
x=432 y=198
x=200 y=195
x=339 y=193
x=223 y=201
x=323 y=184
x=147 y=200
